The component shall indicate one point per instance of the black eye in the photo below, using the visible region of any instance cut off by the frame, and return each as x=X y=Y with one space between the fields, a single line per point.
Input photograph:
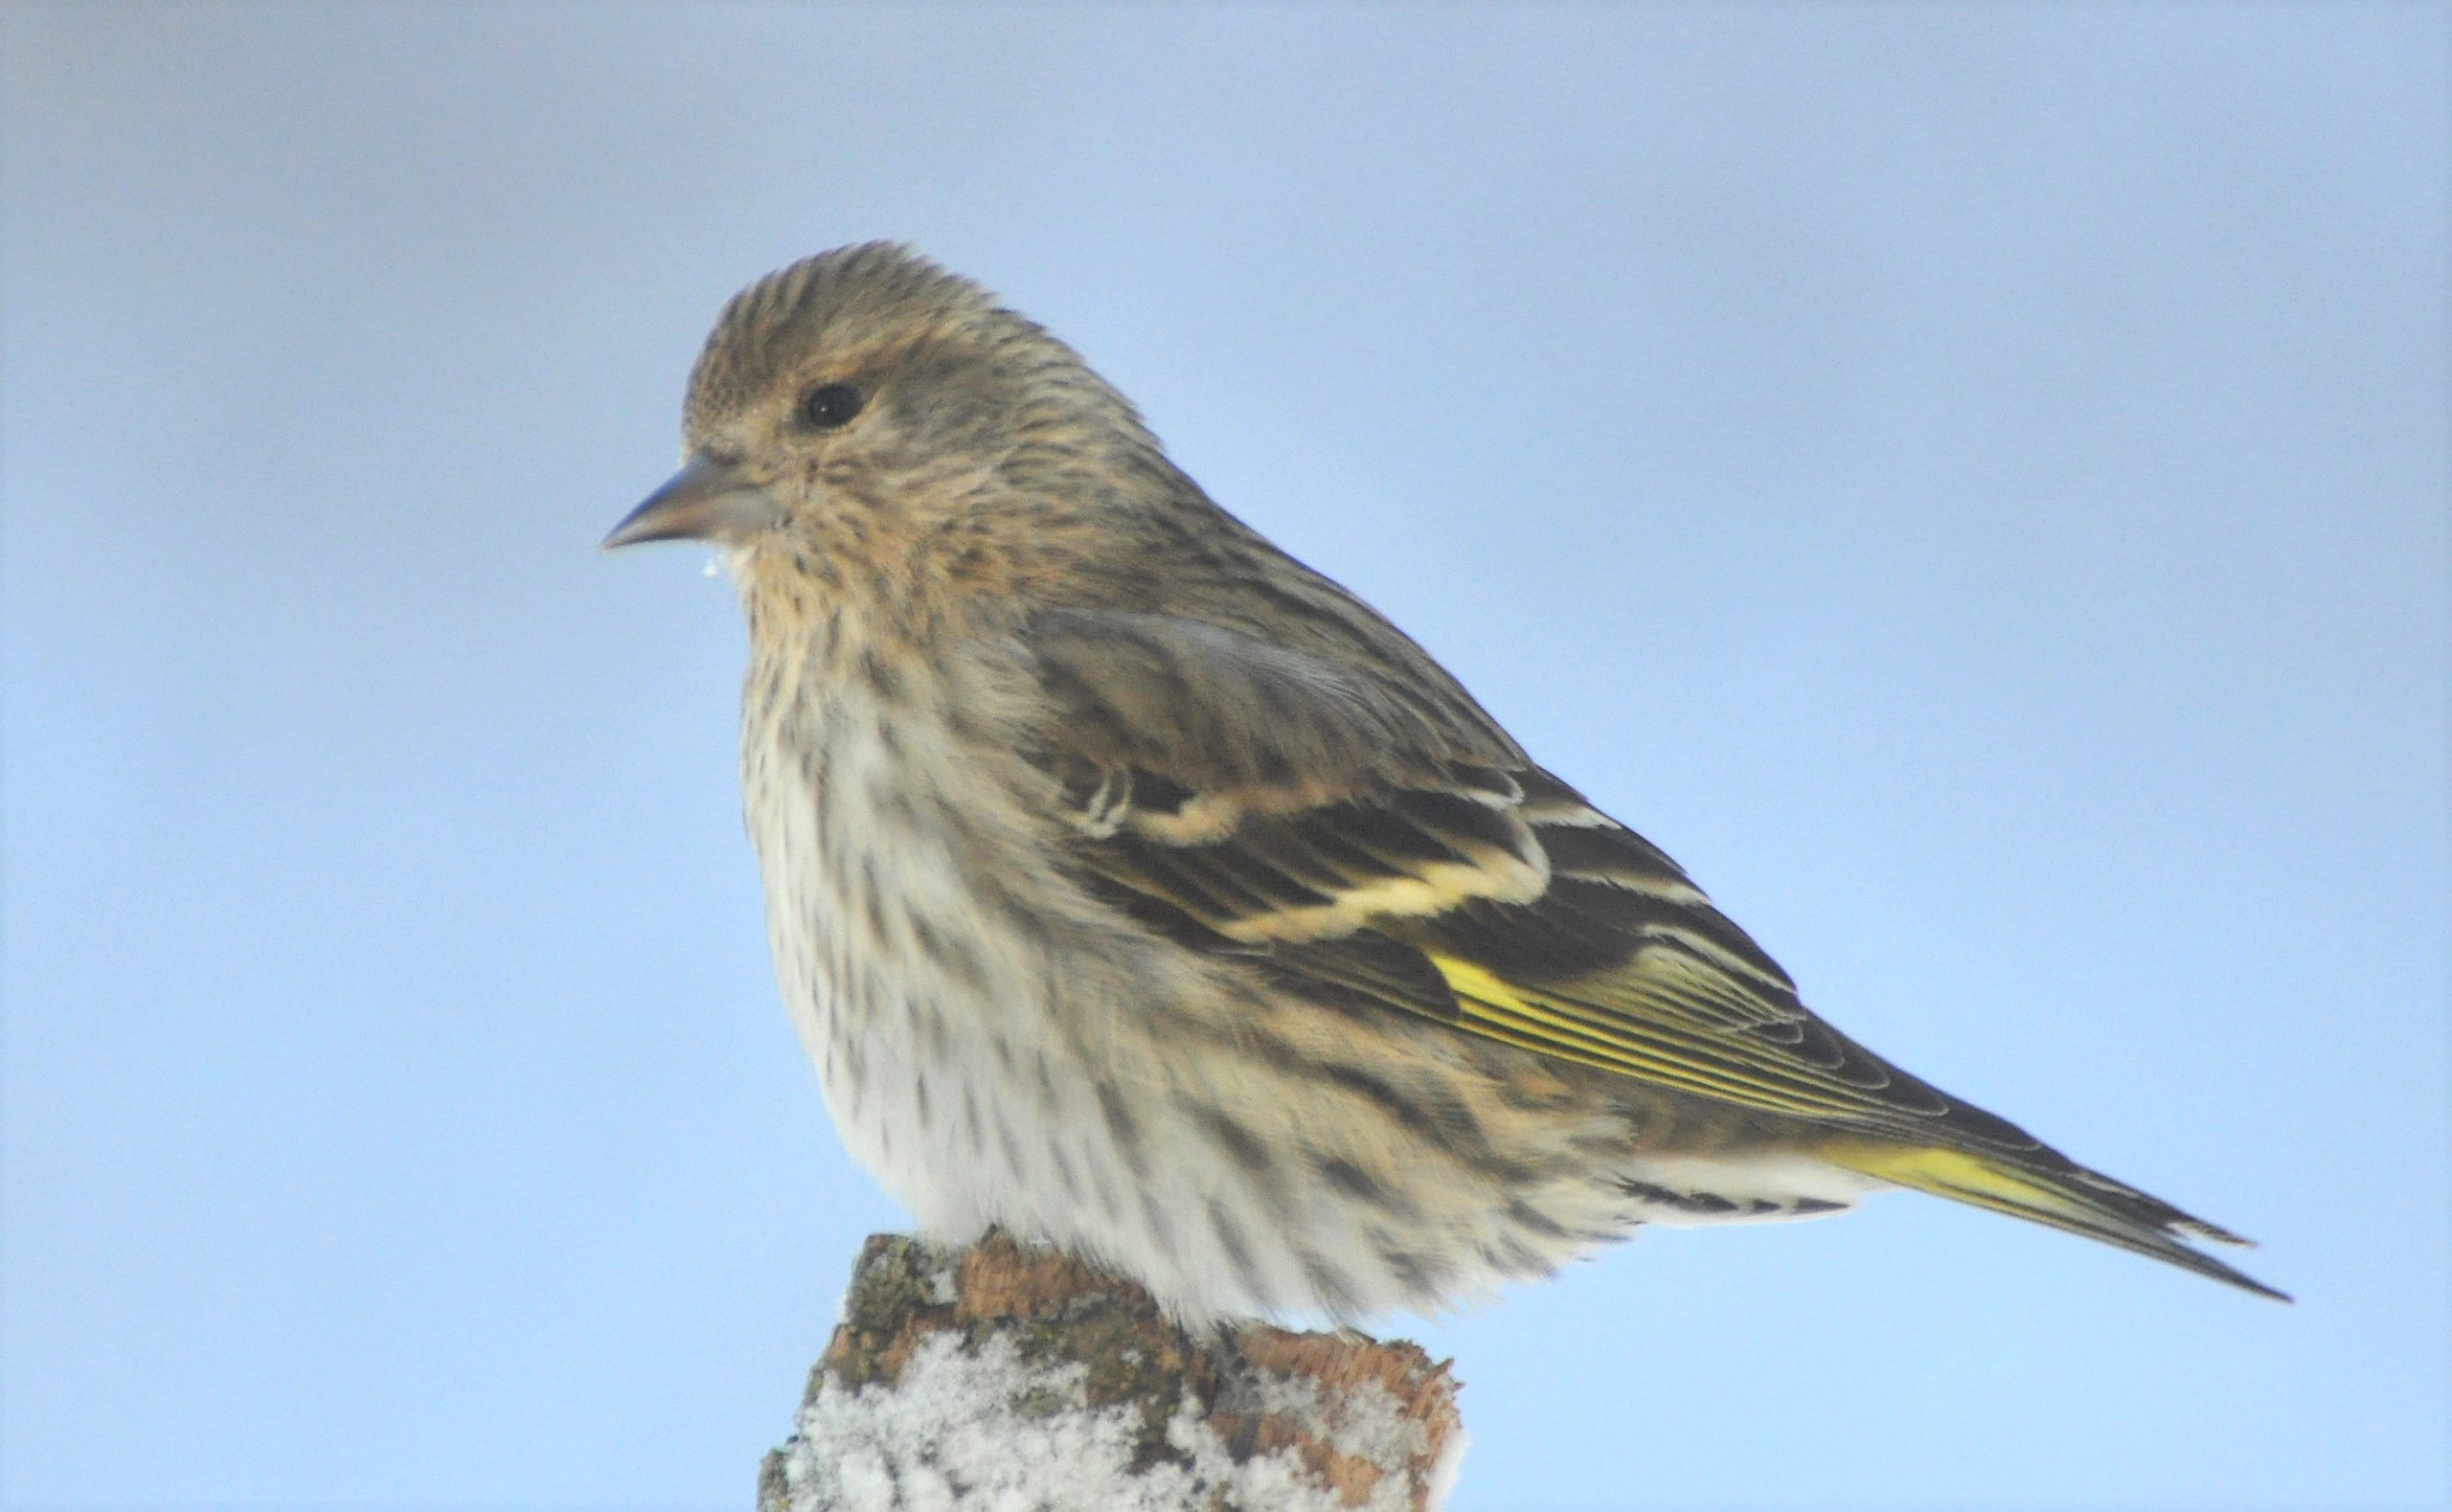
x=831 y=406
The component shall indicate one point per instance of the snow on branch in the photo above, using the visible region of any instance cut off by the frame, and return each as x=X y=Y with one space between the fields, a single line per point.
x=1016 y=1379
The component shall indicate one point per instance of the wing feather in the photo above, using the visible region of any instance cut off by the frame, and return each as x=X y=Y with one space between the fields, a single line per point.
x=1382 y=846
x=1344 y=827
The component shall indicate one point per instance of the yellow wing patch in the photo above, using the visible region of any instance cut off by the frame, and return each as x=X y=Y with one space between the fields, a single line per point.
x=1554 y=1024
x=2077 y=1201
x=1958 y=1175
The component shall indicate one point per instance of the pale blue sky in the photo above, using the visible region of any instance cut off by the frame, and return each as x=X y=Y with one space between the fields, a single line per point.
x=1971 y=482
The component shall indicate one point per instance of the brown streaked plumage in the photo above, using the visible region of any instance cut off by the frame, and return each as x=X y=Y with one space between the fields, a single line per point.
x=1140 y=889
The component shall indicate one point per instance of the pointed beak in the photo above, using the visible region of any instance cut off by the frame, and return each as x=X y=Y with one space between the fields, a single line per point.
x=705 y=501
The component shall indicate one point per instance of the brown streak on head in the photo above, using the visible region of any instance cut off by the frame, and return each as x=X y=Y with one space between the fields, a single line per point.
x=984 y=461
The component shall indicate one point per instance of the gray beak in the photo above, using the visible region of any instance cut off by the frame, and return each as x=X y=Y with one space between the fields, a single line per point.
x=705 y=501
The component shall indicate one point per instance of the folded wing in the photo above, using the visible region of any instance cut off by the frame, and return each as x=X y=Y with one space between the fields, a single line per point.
x=1383 y=839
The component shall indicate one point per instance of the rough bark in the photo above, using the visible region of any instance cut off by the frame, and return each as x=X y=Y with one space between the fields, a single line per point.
x=1015 y=1378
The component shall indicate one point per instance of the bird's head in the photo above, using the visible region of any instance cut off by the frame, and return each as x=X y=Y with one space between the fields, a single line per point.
x=865 y=403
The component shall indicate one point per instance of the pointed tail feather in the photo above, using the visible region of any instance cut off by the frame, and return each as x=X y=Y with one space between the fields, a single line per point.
x=2076 y=1200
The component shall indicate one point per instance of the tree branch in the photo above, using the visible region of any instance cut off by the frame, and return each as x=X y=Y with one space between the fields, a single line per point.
x=1010 y=1377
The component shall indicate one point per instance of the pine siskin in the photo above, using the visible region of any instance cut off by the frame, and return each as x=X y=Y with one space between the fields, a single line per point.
x=1139 y=890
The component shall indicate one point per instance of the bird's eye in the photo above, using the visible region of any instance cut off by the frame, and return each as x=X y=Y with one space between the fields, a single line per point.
x=830 y=406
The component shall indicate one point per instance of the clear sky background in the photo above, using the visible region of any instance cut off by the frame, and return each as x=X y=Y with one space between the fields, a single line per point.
x=1971 y=482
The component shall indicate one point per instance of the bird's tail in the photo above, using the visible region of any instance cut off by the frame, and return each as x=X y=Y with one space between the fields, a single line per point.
x=2073 y=1198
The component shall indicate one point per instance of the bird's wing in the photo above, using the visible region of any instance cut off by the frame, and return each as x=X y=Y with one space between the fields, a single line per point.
x=1248 y=797
x=1385 y=842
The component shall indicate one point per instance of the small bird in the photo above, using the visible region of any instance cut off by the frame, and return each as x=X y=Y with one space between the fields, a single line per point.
x=1139 y=890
